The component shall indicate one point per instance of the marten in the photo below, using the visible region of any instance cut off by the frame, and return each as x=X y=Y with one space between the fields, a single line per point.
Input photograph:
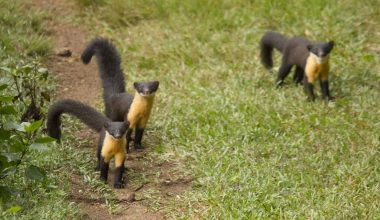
x=112 y=139
x=311 y=61
x=119 y=105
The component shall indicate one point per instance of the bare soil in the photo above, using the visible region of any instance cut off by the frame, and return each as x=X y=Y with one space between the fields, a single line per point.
x=81 y=82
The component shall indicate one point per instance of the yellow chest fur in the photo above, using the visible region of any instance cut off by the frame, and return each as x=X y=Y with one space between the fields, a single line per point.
x=114 y=148
x=111 y=146
x=316 y=69
x=139 y=112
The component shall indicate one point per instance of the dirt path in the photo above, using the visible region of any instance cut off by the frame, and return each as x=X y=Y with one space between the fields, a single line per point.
x=76 y=80
x=80 y=82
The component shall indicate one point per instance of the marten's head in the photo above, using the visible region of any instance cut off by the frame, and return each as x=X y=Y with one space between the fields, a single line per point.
x=321 y=50
x=116 y=129
x=146 y=89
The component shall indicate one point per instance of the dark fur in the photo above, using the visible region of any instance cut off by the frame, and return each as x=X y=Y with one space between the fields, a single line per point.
x=120 y=104
x=116 y=100
x=268 y=42
x=92 y=118
x=295 y=52
x=110 y=71
x=146 y=88
x=85 y=113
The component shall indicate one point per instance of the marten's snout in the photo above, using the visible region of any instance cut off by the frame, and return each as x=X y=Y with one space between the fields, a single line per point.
x=321 y=54
x=146 y=92
x=117 y=135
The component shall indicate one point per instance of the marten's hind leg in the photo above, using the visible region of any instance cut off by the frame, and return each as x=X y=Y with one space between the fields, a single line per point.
x=283 y=73
x=298 y=75
x=99 y=150
x=129 y=139
x=309 y=89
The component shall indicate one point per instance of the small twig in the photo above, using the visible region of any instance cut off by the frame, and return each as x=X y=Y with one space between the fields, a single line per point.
x=140 y=187
x=19 y=95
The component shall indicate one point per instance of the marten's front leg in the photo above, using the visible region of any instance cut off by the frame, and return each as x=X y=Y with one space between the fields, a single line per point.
x=309 y=89
x=104 y=166
x=325 y=90
x=119 y=169
x=99 y=150
x=129 y=139
x=138 y=137
x=324 y=82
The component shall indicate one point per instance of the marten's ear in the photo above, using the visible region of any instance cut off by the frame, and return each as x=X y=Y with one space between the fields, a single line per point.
x=309 y=47
x=155 y=85
x=106 y=125
x=331 y=44
x=136 y=85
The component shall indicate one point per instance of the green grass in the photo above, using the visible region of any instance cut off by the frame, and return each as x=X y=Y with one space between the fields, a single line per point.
x=257 y=152
x=21 y=32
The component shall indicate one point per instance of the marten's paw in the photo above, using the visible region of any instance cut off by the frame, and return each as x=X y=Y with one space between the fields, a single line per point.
x=138 y=147
x=118 y=185
x=330 y=99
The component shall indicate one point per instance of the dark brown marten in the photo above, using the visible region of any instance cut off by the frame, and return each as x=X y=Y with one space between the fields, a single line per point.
x=311 y=61
x=112 y=139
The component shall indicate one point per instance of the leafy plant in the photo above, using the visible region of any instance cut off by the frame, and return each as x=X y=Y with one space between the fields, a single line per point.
x=19 y=133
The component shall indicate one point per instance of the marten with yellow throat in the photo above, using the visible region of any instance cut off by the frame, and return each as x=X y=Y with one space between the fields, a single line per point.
x=311 y=61
x=119 y=105
x=112 y=139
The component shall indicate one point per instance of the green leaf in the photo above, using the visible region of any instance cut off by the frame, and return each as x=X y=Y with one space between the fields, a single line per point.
x=3 y=159
x=4 y=134
x=3 y=163
x=33 y=126
x=6 y=98
x=42 y=70
x=6 y=110
x=44 y=140
x=17 y=147
x=12 y=157
x=3 y=86
x=13 y=209
x=27 y=69
x=39 y=147
x=5 y=193
x=15 y=126
x=34 y=173
x=8 y=171
x=46 y=96
x=369 y=57
x=6 y=69
x=44 y=73
x=14 y=72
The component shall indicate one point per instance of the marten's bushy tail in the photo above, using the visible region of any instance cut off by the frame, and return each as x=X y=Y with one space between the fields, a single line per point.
x=110 y=71
x=269 y=41
x=85 y=113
